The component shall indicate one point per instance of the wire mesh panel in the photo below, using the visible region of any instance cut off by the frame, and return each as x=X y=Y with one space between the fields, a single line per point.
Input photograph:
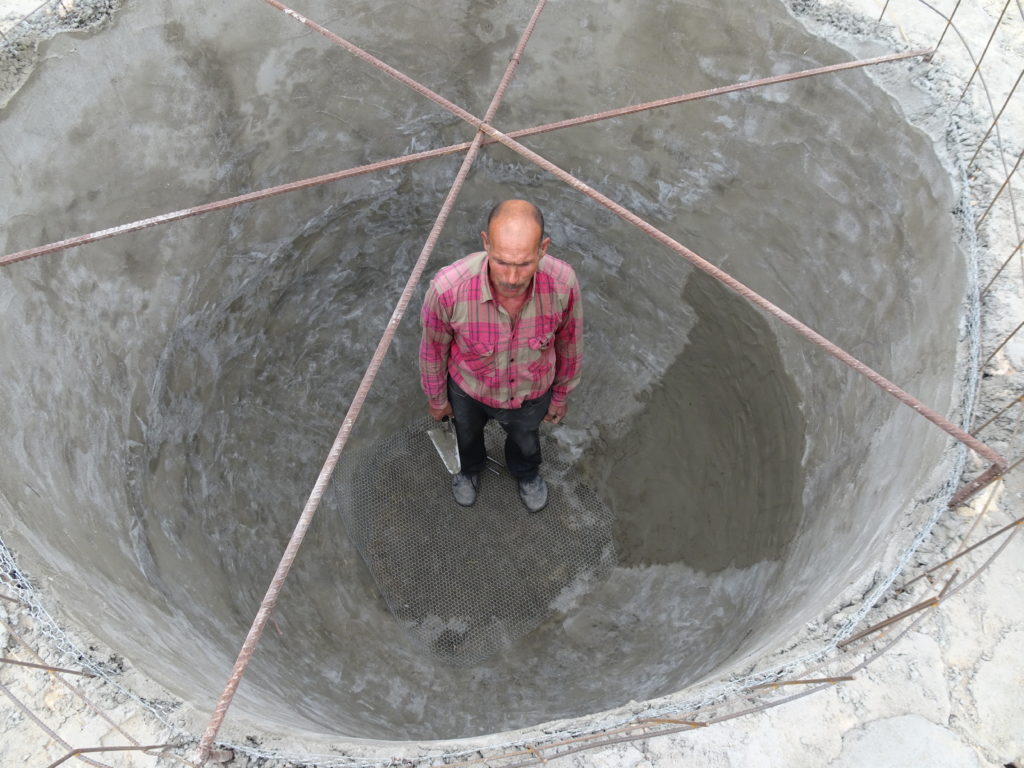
x=469 y=581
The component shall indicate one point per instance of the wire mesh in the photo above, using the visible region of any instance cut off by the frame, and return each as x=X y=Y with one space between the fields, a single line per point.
x=467 y=582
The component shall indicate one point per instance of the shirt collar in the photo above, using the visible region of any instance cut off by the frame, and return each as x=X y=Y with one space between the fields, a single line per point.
x=485 y=282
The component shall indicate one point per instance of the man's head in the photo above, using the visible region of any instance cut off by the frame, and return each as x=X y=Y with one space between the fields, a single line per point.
x=515 y=244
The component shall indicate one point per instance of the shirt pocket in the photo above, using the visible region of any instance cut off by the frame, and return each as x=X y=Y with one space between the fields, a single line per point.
x=542 y=342
x=478 y=356
x=542 y=356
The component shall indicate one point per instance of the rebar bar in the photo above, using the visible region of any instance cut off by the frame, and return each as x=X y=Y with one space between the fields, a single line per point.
x=449 y=150
x=76 y=692
x=327 y=178
x=810 y=681
x=998 y=462
x=47 y=667
x=86 y=750
x=1005 y=184
x=1016 y=523
x=981 y=78
x=985 y=49
x=1006 y=340
x=931 y=602
x=484 y=127
x=995 y=119
x=1016 y=401
x=1004 y=265
x=27 y=711
x=302 y=526
x=949 y=23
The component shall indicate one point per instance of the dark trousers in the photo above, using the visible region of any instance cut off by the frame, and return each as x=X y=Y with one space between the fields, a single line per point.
x=521 y=425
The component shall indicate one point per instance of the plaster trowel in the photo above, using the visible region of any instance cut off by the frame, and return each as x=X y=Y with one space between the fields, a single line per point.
x=447 y=445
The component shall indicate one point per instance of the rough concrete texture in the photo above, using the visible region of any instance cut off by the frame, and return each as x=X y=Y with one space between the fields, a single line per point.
x=175 y=391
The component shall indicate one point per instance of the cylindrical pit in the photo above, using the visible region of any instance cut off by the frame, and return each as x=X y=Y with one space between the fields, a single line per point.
x=168 y=396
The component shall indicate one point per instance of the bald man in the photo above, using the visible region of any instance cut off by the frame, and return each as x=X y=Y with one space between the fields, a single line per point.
x=503 y=340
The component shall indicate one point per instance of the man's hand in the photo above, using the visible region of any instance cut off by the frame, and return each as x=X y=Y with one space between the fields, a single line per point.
x=556 y=413
x=439 y=413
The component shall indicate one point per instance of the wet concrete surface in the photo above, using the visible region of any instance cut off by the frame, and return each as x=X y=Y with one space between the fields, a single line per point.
x=168 y=396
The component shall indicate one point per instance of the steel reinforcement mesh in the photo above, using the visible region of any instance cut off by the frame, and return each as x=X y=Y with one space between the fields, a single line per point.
x=468 y=582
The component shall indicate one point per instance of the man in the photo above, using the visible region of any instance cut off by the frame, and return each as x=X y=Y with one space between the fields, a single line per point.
x=503 y=340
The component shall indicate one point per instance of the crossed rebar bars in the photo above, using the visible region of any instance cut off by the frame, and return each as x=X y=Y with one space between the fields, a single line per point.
x=488 y=134
x=998 y=464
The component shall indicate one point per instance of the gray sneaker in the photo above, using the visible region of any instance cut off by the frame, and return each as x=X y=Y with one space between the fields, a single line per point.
x=534 y=493
x=464 y=486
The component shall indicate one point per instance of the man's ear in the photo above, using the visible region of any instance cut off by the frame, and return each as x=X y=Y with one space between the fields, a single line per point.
x=487 y=243
x=544 y=245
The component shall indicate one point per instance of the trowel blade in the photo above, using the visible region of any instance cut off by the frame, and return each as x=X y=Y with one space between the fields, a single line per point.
x=447 y=446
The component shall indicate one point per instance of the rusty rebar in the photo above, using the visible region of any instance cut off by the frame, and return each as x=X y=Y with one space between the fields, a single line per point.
x=1004 y=265
x=998 y=463
x=373 y=61
x=1006 y=340
x=27 y=711
x=986 y=478
x=1016 y=401
x=949 y=23
x=75 y=691
x=984 y=566
x=984 y=51
x=995 y=119
x=949 y=583
x=675 y=721
x=981 y=79
x=717 y=91
x=812 y=681
x=1015 y=464
x=89 y=750
x=184 y=213
x=313 y=503
x=929 y=603
x=47 y=667
x=977 y=520
x=755 y=298
x=327 y=178
x=1004 y=185
x=954 y=558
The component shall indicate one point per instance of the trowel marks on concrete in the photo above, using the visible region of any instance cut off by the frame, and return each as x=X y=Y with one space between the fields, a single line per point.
x=168 y=396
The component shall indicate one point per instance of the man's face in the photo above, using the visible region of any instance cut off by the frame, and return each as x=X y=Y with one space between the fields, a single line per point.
x=514 y=250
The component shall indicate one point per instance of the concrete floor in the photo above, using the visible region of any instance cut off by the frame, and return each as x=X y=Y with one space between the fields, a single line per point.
x=169 y=394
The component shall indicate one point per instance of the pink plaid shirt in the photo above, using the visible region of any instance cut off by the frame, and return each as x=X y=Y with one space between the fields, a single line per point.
x=467 y=335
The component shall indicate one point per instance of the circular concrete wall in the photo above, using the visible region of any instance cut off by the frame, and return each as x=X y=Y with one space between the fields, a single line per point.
x=169 y=396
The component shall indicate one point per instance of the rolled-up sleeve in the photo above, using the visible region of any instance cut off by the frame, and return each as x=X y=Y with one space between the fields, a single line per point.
x=435 y=346
x=569 y=348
